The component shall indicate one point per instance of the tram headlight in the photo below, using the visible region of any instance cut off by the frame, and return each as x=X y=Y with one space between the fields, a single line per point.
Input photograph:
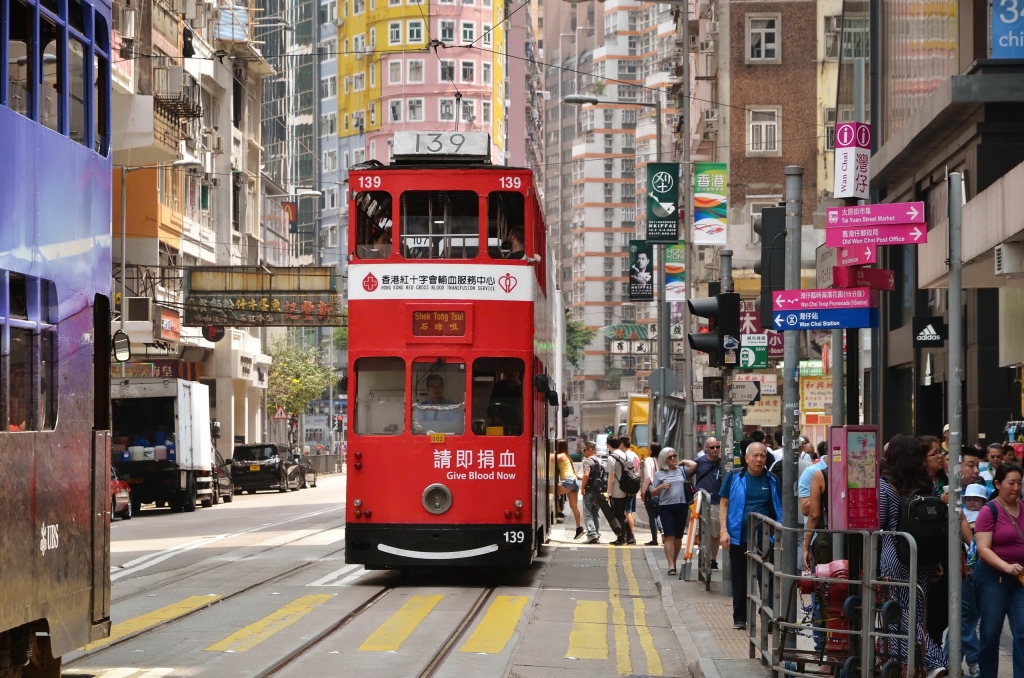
x=437 y=498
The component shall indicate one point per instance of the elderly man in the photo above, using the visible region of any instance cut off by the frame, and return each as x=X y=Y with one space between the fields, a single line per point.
x=708 y=477
x=752 y=490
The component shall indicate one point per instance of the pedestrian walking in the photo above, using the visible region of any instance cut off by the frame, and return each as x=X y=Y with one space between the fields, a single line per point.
x=906 y=474
x=938 y=592
x=594 y=482
x=625 y=446
x=994 y=457
x=707 y=476
x=568 y=482
x=817 y=548
x=650 y=502
x=1000 y=570
x=751 y=490
x=669 y=488
x=621 y=475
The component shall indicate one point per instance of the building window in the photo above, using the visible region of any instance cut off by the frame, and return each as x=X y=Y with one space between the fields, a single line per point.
x=348 y=84
x=416 y=70
x=609 y=222
x=416 y=31
x=609 y=168
x=330 y=160
x=486 y=112
x=486 y=34
x=446 y=111
x=468 y=110
x=468 y=32
x=833 y=36
x=486 y=70
x=763 y=38
x=359 y=82
x=395 y=33
x=468 y=71
x=763 y=132
x=328 y=124
x=394 y=3
x=855 y=39
x=358 y=156
x=395 y=72
x=447 y=31
x=628 y=191
x=609 y=141
x=329 y=87
x=415 y=110
x=331 y=198
x=373 y=75
x=447 y=67
x=358 y=6
x=609 y=192
x=830 y=129
x=395 y=106
x=373 y=116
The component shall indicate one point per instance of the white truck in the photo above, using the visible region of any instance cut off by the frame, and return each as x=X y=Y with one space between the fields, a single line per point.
x=162 y=441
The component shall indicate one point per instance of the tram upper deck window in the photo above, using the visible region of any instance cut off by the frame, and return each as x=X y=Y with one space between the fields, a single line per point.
x=30 y=392
x=506 y=225
x=50 y=110
x=440 y=224
x=380 y=396
x=498 y=396
x=373 y=225
x=439 y=397
x=20 y=59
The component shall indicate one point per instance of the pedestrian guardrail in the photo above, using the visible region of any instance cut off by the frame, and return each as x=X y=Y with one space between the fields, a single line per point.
x=325 y=464
x=780 y=637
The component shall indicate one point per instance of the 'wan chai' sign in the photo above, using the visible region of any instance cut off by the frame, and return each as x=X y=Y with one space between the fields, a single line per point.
x=853 y=153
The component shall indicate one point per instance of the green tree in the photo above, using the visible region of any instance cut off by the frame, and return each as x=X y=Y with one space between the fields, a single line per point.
x=577 y=337
x=341 y=338
x=297 y=376
x=614 y=378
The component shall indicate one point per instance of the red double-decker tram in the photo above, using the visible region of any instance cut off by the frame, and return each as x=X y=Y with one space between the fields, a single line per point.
x=449 y=457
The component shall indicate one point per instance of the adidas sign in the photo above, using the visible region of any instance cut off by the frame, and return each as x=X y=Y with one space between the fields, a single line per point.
x=929 y=334
x=926 y=335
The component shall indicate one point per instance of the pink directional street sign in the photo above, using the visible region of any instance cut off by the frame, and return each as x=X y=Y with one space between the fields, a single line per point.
x=849 y=236
x=857 y=256
x=797 y=300
x=890 y=214
x=875 y=278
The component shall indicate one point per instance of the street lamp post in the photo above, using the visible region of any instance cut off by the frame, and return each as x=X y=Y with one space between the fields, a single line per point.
x=664 y=307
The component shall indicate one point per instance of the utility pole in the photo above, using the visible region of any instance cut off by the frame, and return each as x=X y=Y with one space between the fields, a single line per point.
x=728 y=434
x=689 y=413
x=791 y=382
x=955 y=404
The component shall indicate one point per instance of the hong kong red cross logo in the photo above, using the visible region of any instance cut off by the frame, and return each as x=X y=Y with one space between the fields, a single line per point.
x=369 y=282
x=507 y=283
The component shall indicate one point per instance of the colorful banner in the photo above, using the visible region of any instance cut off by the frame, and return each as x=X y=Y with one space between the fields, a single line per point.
x=662 y=202
x=675 y=272
x=710 y=203
x=641 y=271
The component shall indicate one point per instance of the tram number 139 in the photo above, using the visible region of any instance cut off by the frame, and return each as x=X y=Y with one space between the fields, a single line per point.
x=511 y=182
x=516 y=537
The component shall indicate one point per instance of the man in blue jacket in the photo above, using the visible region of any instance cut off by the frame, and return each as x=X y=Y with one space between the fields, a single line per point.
x=751 y=490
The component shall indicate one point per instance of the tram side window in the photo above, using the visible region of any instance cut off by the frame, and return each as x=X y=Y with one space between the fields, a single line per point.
x=506 y=220
x=53 y=75
x=32 y=354
x=498 y=396
x=20 y=59
x=380 y=396
x=439 y=397
x=373 y=225
x=76 y=101
x=440 y=224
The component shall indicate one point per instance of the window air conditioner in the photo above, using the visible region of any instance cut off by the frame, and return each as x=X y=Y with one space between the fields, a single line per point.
x=708 y=136
x=139 y=309
x=1009 y=258
x=712 y=28
x=127 y=28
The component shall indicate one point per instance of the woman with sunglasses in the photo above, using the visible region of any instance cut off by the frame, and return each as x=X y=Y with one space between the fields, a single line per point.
x=669 y=488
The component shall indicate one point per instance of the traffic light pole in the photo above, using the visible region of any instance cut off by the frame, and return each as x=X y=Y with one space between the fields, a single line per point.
x=791 y=383
x=727 y=409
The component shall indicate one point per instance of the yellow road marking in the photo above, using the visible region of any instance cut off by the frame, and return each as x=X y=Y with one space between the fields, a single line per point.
x=589 y=636
x=496 y=628
x=136 y=624
x=654 y=667
x=623 y=662
x=390 y=635
x=254 y=634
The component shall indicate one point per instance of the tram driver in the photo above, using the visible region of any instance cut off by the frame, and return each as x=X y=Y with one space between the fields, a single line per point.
x=436 y=408
x=516 y=243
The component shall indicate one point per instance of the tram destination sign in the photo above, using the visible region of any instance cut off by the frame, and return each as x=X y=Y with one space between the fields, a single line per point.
x=473 y=144
x=439 y=323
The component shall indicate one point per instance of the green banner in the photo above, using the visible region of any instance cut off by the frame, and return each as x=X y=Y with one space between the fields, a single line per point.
x=662 y=202
x=710 y=203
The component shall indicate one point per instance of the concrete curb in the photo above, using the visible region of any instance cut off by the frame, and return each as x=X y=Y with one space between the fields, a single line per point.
x=697 y=666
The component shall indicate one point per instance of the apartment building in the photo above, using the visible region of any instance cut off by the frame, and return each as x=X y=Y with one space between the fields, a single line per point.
x=186 y=110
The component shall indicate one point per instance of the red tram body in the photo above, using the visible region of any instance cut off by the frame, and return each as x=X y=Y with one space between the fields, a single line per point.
x=449 y=457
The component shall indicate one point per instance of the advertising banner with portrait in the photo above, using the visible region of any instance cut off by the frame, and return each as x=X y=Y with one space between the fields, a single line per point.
x=641 y=271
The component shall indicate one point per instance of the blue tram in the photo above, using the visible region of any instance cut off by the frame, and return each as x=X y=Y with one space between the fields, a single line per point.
x=55 y=272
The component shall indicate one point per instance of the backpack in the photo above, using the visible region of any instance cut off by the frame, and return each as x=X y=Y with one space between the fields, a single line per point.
x=924 y=517
x=598 y=479
x=629 y=479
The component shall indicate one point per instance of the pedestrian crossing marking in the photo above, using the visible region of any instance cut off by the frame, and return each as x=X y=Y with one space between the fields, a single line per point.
x=497 y=626
x=589 y=636
x=254 y=634
x=654 y=667
x=623 y=662
x=390 y=635
x=136 y=624
x=353 y=571
x=125 y=672
x=322 y=581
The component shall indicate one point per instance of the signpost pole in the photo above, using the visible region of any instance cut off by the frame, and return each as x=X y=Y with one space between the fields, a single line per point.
x=727 y=287
x=791 y=385
x=955 y=376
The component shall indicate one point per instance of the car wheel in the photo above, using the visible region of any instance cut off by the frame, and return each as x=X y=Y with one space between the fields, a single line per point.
x=136 y=505
x=230 y=496
x=127 y=513
x=314 y=479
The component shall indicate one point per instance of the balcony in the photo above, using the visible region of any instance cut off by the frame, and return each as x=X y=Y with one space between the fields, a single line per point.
x=233 y=32
x=144 y=133
x=177 y=93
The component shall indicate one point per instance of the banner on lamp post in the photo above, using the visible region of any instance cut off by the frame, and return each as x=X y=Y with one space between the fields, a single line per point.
x=710 y=203
x=675 y=272
x=641 y=271
x=662 y=202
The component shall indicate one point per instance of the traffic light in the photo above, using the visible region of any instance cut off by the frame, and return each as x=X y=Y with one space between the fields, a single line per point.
x=771 y=226
x=722 y=340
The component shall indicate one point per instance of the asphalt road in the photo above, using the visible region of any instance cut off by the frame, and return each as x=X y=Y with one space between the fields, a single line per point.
x=260 y=587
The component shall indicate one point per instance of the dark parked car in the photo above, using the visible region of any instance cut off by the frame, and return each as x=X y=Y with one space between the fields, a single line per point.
x=223 y=486
x=264 y=466
x=308 y=472
x=120 y=497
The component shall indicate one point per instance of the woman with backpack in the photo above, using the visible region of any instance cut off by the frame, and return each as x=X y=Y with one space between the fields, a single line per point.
x=999 y=534
x=906 y=478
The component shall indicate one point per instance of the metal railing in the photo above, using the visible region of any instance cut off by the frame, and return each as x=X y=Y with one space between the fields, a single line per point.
x=772 y=601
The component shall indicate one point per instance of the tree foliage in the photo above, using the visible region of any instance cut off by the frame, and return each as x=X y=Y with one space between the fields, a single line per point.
x=577 y=337
x=341 y=333
x=297 y=376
